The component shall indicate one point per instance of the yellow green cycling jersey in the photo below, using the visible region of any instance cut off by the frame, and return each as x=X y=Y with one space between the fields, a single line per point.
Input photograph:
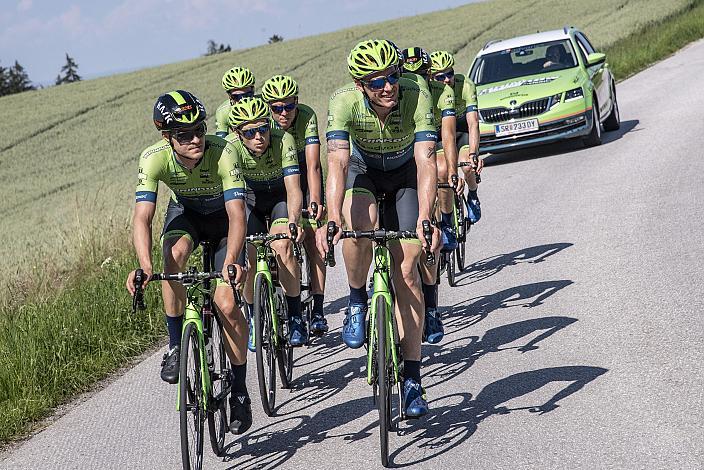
x=215 y=179
x=465 y=95
x=443 y=97
x=267 y=171
x=222 y=118
x=304 y=130
x=350 y=117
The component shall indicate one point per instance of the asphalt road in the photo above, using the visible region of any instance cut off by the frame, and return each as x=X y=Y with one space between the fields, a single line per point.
x=575 y=340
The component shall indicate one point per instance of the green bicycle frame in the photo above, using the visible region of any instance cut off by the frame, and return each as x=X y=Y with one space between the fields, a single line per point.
x=382 y=288
x=263 y=253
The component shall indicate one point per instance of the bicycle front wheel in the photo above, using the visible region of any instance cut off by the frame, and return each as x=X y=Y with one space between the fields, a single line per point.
x=264 y=340
x=384 y=368
x=191 y=400
x=451 y=268
x=219 y=378
x=464 y=231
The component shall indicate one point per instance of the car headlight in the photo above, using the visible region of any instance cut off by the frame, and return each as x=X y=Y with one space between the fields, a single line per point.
x=574 y=94
x=555 y=99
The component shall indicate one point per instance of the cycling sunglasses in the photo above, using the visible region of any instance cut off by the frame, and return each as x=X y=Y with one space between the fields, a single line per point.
x=185 y=137
x=280 y=109
x=380 y=82
x=441 y=77
x=238 y=96
x=250 y=133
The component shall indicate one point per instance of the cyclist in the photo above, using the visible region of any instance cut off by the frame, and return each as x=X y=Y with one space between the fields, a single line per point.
x=299 y=120
x=381 y=139
x=417 y=67
x=270 y=170
x=442 y=70
x=238 y=83
x=203 y=174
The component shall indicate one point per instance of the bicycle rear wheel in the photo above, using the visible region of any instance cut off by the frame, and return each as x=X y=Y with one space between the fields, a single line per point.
x=191 y=400
x=264 y=340
x=464 y=231
x=284 y=352
x=384 y=367
x=220 y=380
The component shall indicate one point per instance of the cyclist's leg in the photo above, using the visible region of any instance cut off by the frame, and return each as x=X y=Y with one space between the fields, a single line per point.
x=473 y=204
x=178 y=239
x=317 y=275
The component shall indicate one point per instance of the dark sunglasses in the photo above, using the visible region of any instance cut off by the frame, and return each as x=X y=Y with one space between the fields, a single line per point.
x=440 y=77
x=185 y=137
x=380 y=82
x=238 y=96
x=287 y=107
x=250 y=133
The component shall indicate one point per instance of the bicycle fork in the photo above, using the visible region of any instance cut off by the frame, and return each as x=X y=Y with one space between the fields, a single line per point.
x=192 y=316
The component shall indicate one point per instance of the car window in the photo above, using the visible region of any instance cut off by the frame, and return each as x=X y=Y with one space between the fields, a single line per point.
x=525 y=60
x=587 y=45
x=582 y=50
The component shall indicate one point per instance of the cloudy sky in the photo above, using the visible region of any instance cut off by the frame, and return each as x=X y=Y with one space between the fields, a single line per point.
x=123 y=35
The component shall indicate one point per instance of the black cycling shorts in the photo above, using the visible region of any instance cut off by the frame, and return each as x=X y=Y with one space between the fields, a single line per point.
x=400 y=189
x=263 y=205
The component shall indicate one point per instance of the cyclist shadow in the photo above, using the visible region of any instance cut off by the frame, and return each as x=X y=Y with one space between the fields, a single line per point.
x=455 y=357
x=450 y=425
x=463 y=315
x=488 y=267
x=275 y=443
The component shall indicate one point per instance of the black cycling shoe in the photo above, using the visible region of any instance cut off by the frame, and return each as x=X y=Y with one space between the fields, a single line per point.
x=170 y=365
x=240 y=413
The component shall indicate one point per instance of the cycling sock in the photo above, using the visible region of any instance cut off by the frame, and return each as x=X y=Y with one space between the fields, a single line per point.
x=430 y=295
x=239 y=381
x=294 y=306
x=473 y=195
x=318 y=304
x=358 y=295
x=446 y=218
x=174 y=325
x=411 y=370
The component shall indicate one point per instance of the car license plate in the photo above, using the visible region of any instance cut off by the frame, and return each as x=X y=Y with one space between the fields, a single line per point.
x=517 y=127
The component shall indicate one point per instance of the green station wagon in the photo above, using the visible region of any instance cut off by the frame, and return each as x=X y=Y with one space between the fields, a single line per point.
x=543 y=88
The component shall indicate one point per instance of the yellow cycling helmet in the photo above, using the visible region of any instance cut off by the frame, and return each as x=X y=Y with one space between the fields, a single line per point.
x=279 y=87
x=441 y=60
x=248 y=110
x=237 y=77
x=370 y=56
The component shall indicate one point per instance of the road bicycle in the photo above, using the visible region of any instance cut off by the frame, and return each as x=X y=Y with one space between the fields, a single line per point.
x=382 y=338
x=205 y=378
x=452 y=262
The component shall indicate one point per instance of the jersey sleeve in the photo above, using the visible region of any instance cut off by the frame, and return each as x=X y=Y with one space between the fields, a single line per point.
x=311 y=131
x=289 y=159
x=222 y=118
x=230 y=172
x=424 y=119
x=469 y=94
x=446 y=102
x=339 y=117
x=148 y=176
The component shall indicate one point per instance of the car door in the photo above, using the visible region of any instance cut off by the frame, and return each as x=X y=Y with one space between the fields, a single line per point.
x=598 y=74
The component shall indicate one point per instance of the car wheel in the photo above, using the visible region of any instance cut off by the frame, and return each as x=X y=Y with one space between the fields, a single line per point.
x=594 y=137
x=613 y=122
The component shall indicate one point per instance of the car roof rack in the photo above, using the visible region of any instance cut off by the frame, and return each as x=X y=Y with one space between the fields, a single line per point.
x=489 y=43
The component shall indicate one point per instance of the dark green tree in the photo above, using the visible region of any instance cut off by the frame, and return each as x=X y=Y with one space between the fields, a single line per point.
x=215 y=48
x=18 y=80
x=69 y=71
x=275 y=38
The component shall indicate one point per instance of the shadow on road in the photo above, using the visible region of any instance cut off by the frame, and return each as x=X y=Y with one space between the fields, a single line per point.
x=455 y=418
x=488 y=267
x=558 y=148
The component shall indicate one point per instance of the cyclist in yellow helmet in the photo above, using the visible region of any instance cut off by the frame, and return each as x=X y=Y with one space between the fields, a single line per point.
x=238 y=83
x=300 y=121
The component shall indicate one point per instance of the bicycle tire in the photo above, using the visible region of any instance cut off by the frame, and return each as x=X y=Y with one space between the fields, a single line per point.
x=263 y=337
x=451 y=269
x=464 y=230
x=191 y=400
x=383 y=379
x=217 y=412
x=284 y=353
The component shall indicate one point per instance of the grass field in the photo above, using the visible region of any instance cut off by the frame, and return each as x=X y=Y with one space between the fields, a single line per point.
x=69 y=157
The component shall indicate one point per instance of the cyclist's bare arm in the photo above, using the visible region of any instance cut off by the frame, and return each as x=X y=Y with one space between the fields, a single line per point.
x=473 y=126
x=315 y=174
x=237 y=227
x=338 y=163
x=294 y=200
x=424 y=154
x=142 y=238
x=448 y=132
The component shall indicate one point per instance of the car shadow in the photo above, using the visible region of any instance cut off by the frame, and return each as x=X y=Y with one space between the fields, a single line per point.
x=488 y=267
x=456 y=417
x=557 y=148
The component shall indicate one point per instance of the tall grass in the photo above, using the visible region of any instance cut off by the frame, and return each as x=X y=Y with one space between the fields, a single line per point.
x=69 y=157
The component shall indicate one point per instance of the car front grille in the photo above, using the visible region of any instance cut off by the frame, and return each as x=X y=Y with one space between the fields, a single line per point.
x=528 y=109
x=546 y=130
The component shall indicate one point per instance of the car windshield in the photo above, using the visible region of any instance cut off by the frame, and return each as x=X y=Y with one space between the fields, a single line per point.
x=524 y=60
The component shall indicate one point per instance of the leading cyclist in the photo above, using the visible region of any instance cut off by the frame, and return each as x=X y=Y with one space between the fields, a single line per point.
x=381 y=139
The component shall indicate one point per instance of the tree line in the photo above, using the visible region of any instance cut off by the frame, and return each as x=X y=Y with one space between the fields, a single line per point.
x=14 y=79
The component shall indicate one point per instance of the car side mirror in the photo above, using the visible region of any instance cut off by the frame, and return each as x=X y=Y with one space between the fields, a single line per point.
x=596 y=58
